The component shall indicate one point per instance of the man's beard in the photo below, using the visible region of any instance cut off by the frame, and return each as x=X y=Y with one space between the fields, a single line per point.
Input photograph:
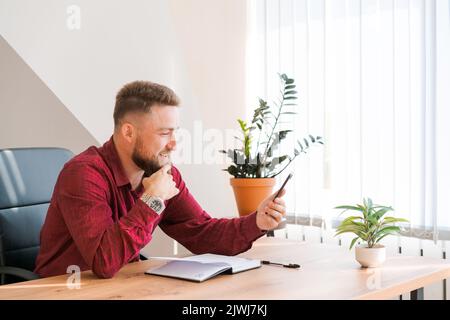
x=149 y=166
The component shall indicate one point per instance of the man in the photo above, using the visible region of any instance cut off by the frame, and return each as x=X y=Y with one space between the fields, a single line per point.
x=108 y=200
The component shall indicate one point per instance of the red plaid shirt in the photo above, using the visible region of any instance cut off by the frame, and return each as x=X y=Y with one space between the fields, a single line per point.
x=96 y=221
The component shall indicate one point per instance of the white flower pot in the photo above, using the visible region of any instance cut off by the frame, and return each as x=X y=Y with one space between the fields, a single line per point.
x=370 y=257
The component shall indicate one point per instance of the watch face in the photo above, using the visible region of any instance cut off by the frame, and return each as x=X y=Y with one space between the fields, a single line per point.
x=156 y=205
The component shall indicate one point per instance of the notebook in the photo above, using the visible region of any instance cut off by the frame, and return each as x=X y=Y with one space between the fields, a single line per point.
x=202 y=267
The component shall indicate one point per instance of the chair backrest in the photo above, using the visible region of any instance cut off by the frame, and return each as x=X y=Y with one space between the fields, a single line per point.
x=27 y=179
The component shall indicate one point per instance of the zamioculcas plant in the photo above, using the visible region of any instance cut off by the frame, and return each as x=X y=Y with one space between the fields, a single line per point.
x=257 y=157
x=369 y=226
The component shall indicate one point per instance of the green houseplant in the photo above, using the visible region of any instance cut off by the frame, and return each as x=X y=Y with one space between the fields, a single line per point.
x=369 y=226
x=256 y=162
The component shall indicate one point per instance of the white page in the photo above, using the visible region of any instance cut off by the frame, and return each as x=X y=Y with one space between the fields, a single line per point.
x=238 y=264
x=189 y=270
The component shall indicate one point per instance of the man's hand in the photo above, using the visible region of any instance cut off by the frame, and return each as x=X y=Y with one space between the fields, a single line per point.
x=270 y=212
x=160 y=184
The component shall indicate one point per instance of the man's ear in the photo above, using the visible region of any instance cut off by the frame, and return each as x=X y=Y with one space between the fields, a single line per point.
x=128 y=131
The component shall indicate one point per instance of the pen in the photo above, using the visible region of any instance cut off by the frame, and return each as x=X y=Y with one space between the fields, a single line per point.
x=290 y=265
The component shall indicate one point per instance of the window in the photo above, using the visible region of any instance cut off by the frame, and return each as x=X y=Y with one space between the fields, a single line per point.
x=373 y=79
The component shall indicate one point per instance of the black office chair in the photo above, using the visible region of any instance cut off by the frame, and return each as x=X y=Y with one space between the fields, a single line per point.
x=27 y=179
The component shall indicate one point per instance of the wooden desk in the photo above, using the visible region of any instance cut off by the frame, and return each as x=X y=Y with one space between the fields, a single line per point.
x=327 y=272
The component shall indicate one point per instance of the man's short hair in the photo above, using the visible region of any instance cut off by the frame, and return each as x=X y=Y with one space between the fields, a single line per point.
x=140 y=96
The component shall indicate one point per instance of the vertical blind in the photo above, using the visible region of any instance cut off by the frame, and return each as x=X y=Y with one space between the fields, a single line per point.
x=373 y=78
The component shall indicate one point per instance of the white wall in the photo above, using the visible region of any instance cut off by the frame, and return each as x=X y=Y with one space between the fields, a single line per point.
x=194 y=46
x=118 y=41
x=211 y=37
x=36 y=118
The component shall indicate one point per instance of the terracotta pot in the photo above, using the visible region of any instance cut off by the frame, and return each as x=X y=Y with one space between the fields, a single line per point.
x=249 y=192
x=370 y=257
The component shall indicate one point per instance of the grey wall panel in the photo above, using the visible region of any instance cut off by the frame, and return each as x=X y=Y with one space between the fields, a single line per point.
x=30 y=113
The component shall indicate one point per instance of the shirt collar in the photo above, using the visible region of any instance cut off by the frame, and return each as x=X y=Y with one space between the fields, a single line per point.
x=112 y=158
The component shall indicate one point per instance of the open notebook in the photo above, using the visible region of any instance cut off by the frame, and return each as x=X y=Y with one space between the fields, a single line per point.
x=202 y=267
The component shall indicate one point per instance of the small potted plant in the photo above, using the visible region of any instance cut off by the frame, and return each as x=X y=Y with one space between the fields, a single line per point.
x=370 y=227
x=256 y=163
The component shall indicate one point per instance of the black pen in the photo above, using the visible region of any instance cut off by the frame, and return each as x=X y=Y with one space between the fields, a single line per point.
x=290 y=265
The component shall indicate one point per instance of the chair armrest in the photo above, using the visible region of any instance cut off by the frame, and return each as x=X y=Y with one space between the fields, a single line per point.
x=18 y=272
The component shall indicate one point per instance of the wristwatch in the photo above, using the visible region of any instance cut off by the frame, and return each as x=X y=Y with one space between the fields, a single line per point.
x=155 y=203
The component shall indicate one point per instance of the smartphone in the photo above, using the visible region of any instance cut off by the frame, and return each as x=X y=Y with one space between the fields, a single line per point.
x=278 y=193
x=284 y=184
